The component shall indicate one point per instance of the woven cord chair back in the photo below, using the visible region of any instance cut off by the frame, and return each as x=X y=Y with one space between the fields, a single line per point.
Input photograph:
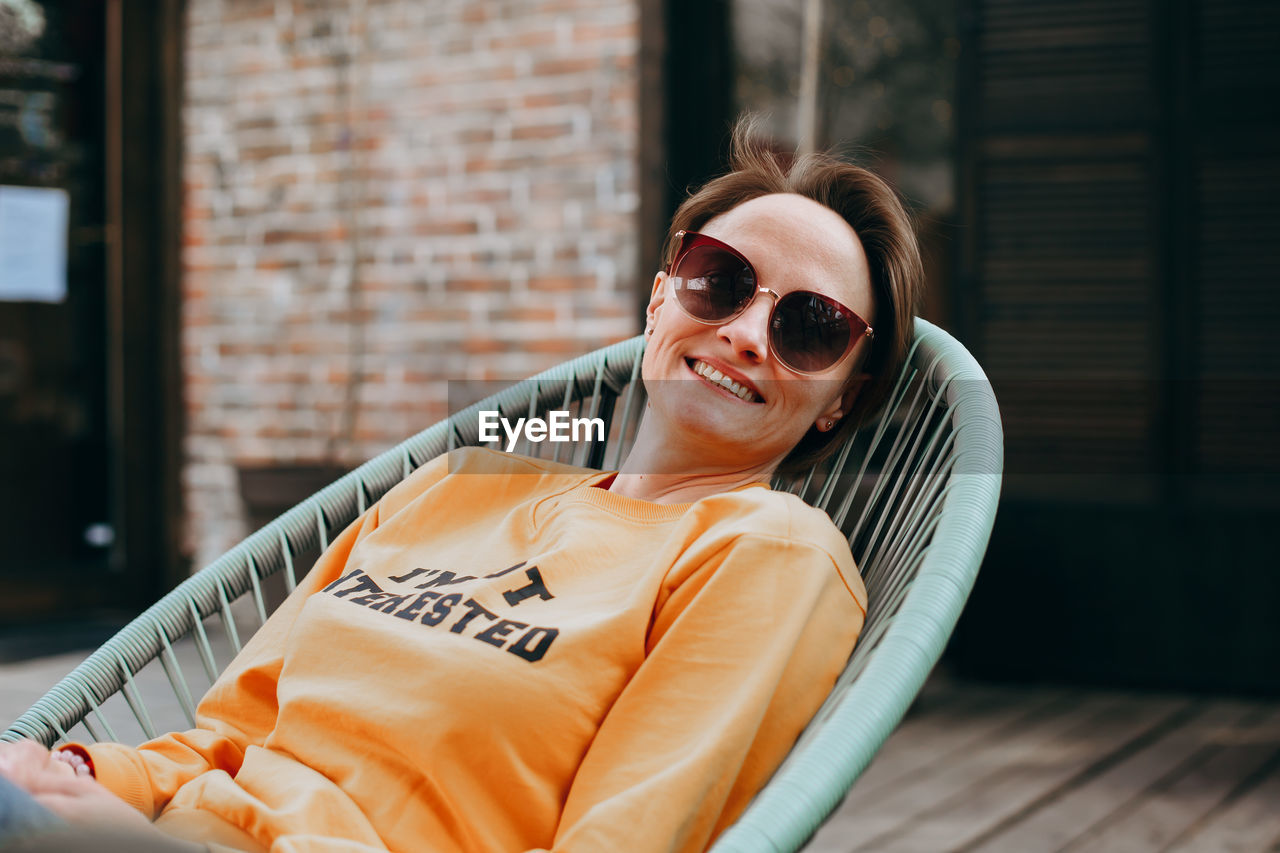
x=915 y=492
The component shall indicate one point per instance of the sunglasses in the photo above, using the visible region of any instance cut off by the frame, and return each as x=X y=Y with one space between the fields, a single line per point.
x=809 y=332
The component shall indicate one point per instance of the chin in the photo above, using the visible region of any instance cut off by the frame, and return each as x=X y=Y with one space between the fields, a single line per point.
x=715 y=431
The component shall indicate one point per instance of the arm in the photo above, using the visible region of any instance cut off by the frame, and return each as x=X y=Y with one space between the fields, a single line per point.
x=740 y=656
x=240 y=709
x=39 y=791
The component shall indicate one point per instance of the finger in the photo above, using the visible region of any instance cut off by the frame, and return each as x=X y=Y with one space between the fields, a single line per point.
x=71 y=783
x=70 y=759
x=24 y=749
x=24 y=761
x=22 y=753
x=61 y=768
x=91 y=804
x=63 y=805
x=63 y=781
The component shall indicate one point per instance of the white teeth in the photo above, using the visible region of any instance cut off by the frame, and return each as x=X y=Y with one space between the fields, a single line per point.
x=712 y=375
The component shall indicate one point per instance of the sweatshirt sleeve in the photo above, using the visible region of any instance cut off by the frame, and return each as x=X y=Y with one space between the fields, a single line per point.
x=240 y=709
x=741 y=655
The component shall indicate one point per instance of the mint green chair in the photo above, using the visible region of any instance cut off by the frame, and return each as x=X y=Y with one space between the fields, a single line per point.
x=915 y=492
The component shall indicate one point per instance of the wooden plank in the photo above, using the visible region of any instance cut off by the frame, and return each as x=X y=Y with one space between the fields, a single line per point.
x=901 y=805
x=1031 y=776
x=1072 y=812
x=1175 y=805
x=924 y=742
x=948 y=729
x=1249 y=821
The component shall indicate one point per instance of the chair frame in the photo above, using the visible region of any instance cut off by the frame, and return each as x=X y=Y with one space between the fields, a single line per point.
x=915 y=492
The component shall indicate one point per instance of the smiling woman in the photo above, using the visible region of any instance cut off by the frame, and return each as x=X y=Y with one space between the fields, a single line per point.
x=810 y=258
x=832 y=245
x=508 y=653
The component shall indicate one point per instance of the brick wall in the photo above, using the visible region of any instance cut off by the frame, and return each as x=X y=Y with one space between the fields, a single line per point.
x=381 y=196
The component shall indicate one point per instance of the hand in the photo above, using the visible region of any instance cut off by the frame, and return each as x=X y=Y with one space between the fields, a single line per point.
x=64 y=787
x=75 y=760
x=81 y=800
x=31 y=766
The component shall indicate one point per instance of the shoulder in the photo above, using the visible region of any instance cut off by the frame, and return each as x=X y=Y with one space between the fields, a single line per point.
x=780 y=527
x=763 y=512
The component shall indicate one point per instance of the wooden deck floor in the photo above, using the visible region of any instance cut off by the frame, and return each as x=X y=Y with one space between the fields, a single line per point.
x=982 y=768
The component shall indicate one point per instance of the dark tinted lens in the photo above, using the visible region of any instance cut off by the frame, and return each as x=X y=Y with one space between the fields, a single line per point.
x=808 y=332
x=712 y=284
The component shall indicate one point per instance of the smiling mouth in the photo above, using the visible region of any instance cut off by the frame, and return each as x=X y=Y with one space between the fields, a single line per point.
x=715 y=377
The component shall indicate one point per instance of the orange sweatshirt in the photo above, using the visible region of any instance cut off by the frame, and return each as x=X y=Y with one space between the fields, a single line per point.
x=500 y=656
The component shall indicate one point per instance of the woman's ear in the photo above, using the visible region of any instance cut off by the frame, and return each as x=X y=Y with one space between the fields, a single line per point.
x=852 y=390
x=843 y=404
x=656 y=299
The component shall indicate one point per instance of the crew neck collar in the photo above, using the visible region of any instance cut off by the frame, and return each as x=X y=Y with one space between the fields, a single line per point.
x=592 y=492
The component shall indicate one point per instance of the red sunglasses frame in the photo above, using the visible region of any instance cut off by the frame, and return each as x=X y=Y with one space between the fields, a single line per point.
x=690 y=240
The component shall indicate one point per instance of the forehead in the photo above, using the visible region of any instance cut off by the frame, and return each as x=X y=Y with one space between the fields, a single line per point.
x=795 y=242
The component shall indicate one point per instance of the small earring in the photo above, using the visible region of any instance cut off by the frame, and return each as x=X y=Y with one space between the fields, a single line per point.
x=648 y=332
x=830 y=424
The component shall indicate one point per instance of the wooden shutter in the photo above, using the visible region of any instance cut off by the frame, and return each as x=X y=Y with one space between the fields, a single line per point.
x=1061 y=190
x=1119 y=278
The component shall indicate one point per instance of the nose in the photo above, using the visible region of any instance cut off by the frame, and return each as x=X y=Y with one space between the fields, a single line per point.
x=748 y=333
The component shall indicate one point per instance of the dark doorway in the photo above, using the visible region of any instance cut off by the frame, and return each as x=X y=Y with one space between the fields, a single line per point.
x=54 y=455
x=88 y=296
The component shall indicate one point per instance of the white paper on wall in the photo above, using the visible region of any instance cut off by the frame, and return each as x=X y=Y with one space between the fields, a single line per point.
x=33 y=244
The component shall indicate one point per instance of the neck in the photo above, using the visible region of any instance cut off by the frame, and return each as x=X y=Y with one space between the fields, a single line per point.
x=666 y=472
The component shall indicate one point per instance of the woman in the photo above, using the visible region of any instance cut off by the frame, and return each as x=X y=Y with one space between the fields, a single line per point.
x=510 y=654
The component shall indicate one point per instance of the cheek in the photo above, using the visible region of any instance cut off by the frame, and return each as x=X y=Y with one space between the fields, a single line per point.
x=671 y=333
x=646 y=365
x=814 y=395
x=659 y=358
